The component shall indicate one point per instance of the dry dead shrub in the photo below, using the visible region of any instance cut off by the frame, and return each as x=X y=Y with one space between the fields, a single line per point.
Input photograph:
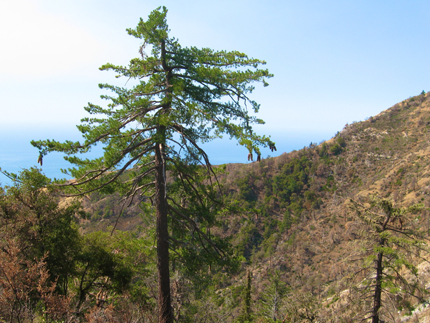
x=321 y=170
x=57 y=307
x=26 y=292
x=16 y=286
x=134 y=312
x=101 y=315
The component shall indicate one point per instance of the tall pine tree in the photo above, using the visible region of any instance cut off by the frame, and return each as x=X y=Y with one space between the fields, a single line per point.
x=154 y=130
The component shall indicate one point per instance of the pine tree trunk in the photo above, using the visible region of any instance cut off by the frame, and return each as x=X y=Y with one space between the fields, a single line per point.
x=378 y=287
x=379 y=266
x=165 y=314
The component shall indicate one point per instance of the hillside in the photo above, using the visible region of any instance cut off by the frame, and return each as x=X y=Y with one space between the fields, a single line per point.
x=295 y=223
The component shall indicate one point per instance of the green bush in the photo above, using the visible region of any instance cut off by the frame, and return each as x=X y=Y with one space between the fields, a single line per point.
x=336 y=149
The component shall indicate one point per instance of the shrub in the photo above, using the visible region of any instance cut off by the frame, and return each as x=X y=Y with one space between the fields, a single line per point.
x=336 y=149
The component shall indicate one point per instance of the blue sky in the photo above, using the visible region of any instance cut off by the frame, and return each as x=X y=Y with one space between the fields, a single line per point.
x=334 y=61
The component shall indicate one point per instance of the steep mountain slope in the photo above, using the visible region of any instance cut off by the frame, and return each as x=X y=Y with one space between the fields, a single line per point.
x=295 y=223
x=307 y=231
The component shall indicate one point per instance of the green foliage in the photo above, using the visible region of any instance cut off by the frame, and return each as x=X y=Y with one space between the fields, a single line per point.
x=294 y=175
x=341 y=141
x=287 y=221
x=336 y=149
x=247 y=239
x=103 y=262
x=330 y=185
x=323 y=152
x=247 y=188
x=295 y=208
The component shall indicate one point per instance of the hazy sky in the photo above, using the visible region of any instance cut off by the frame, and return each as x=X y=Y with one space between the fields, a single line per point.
x=334 y=61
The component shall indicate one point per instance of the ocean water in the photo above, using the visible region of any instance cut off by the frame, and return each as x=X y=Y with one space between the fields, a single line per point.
x=16 y=152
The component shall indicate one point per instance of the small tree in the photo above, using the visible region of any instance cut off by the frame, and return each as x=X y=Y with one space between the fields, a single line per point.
x=272 y=297
x=153 y=130
x=246 y=310
x=302 y=306
x=388 y=275
x=42 y=229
